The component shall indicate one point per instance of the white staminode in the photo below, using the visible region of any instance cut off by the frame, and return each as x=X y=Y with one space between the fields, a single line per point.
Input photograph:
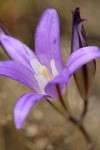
x=53 y=67
x=35 y=65
x=41 y=82
x=42 y=74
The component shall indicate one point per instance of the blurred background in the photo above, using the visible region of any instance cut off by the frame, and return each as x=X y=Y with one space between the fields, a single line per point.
x=45 y=129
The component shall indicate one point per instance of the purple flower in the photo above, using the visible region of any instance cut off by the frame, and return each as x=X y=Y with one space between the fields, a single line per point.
x=42 y=71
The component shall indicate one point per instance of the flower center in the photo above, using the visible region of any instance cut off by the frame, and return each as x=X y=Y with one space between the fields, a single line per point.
x=42 y=74
x=45 y=72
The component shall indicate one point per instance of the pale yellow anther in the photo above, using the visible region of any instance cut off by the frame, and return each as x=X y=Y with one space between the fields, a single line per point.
x=45 y=72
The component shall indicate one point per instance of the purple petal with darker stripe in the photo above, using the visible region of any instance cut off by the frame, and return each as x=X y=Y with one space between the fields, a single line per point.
x=23 y=107
x=17 y=50
x=18 y=72
x=47 y=39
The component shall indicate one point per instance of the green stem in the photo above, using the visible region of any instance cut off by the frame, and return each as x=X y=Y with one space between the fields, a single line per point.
x=84 y=109
x=60 y=97
x=83 y=131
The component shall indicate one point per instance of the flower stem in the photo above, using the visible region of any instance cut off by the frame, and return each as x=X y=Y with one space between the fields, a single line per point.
x=83 y=131
x=84 y=108
x=77 y=123
x=57 y=109
x=61 y=98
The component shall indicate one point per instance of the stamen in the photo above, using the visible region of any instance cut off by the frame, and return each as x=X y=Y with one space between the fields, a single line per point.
x=45 y=72
x=35 y=65
x=53 y=67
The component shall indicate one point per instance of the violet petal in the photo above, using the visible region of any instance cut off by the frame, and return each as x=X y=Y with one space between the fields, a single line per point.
x=17 y=50
x=78 y=33
x=62 y=79
x=76 y=60
x=18 y=72
x=47 y=39
x=83 y=55
x=23 y=107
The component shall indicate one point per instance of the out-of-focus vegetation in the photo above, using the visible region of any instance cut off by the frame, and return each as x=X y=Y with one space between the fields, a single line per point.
x=44 y=128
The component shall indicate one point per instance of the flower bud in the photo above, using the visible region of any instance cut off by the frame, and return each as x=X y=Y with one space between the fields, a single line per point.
x=85 y=75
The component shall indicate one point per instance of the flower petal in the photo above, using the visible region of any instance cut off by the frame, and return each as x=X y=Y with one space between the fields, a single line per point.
x=23 y=107
x=18 y=72
x=78 y=33
x=83 y=55
x=47 y=39
x=76 y=60
x=3 y=29
x=17 y=50
x=61 y=80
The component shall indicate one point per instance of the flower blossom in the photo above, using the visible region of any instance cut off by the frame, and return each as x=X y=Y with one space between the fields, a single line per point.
x=42 y=71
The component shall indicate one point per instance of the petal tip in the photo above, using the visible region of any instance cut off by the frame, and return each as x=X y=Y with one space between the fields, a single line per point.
x=48 y=13
x=18 y=126
x=18 y=120
x=50 y=10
